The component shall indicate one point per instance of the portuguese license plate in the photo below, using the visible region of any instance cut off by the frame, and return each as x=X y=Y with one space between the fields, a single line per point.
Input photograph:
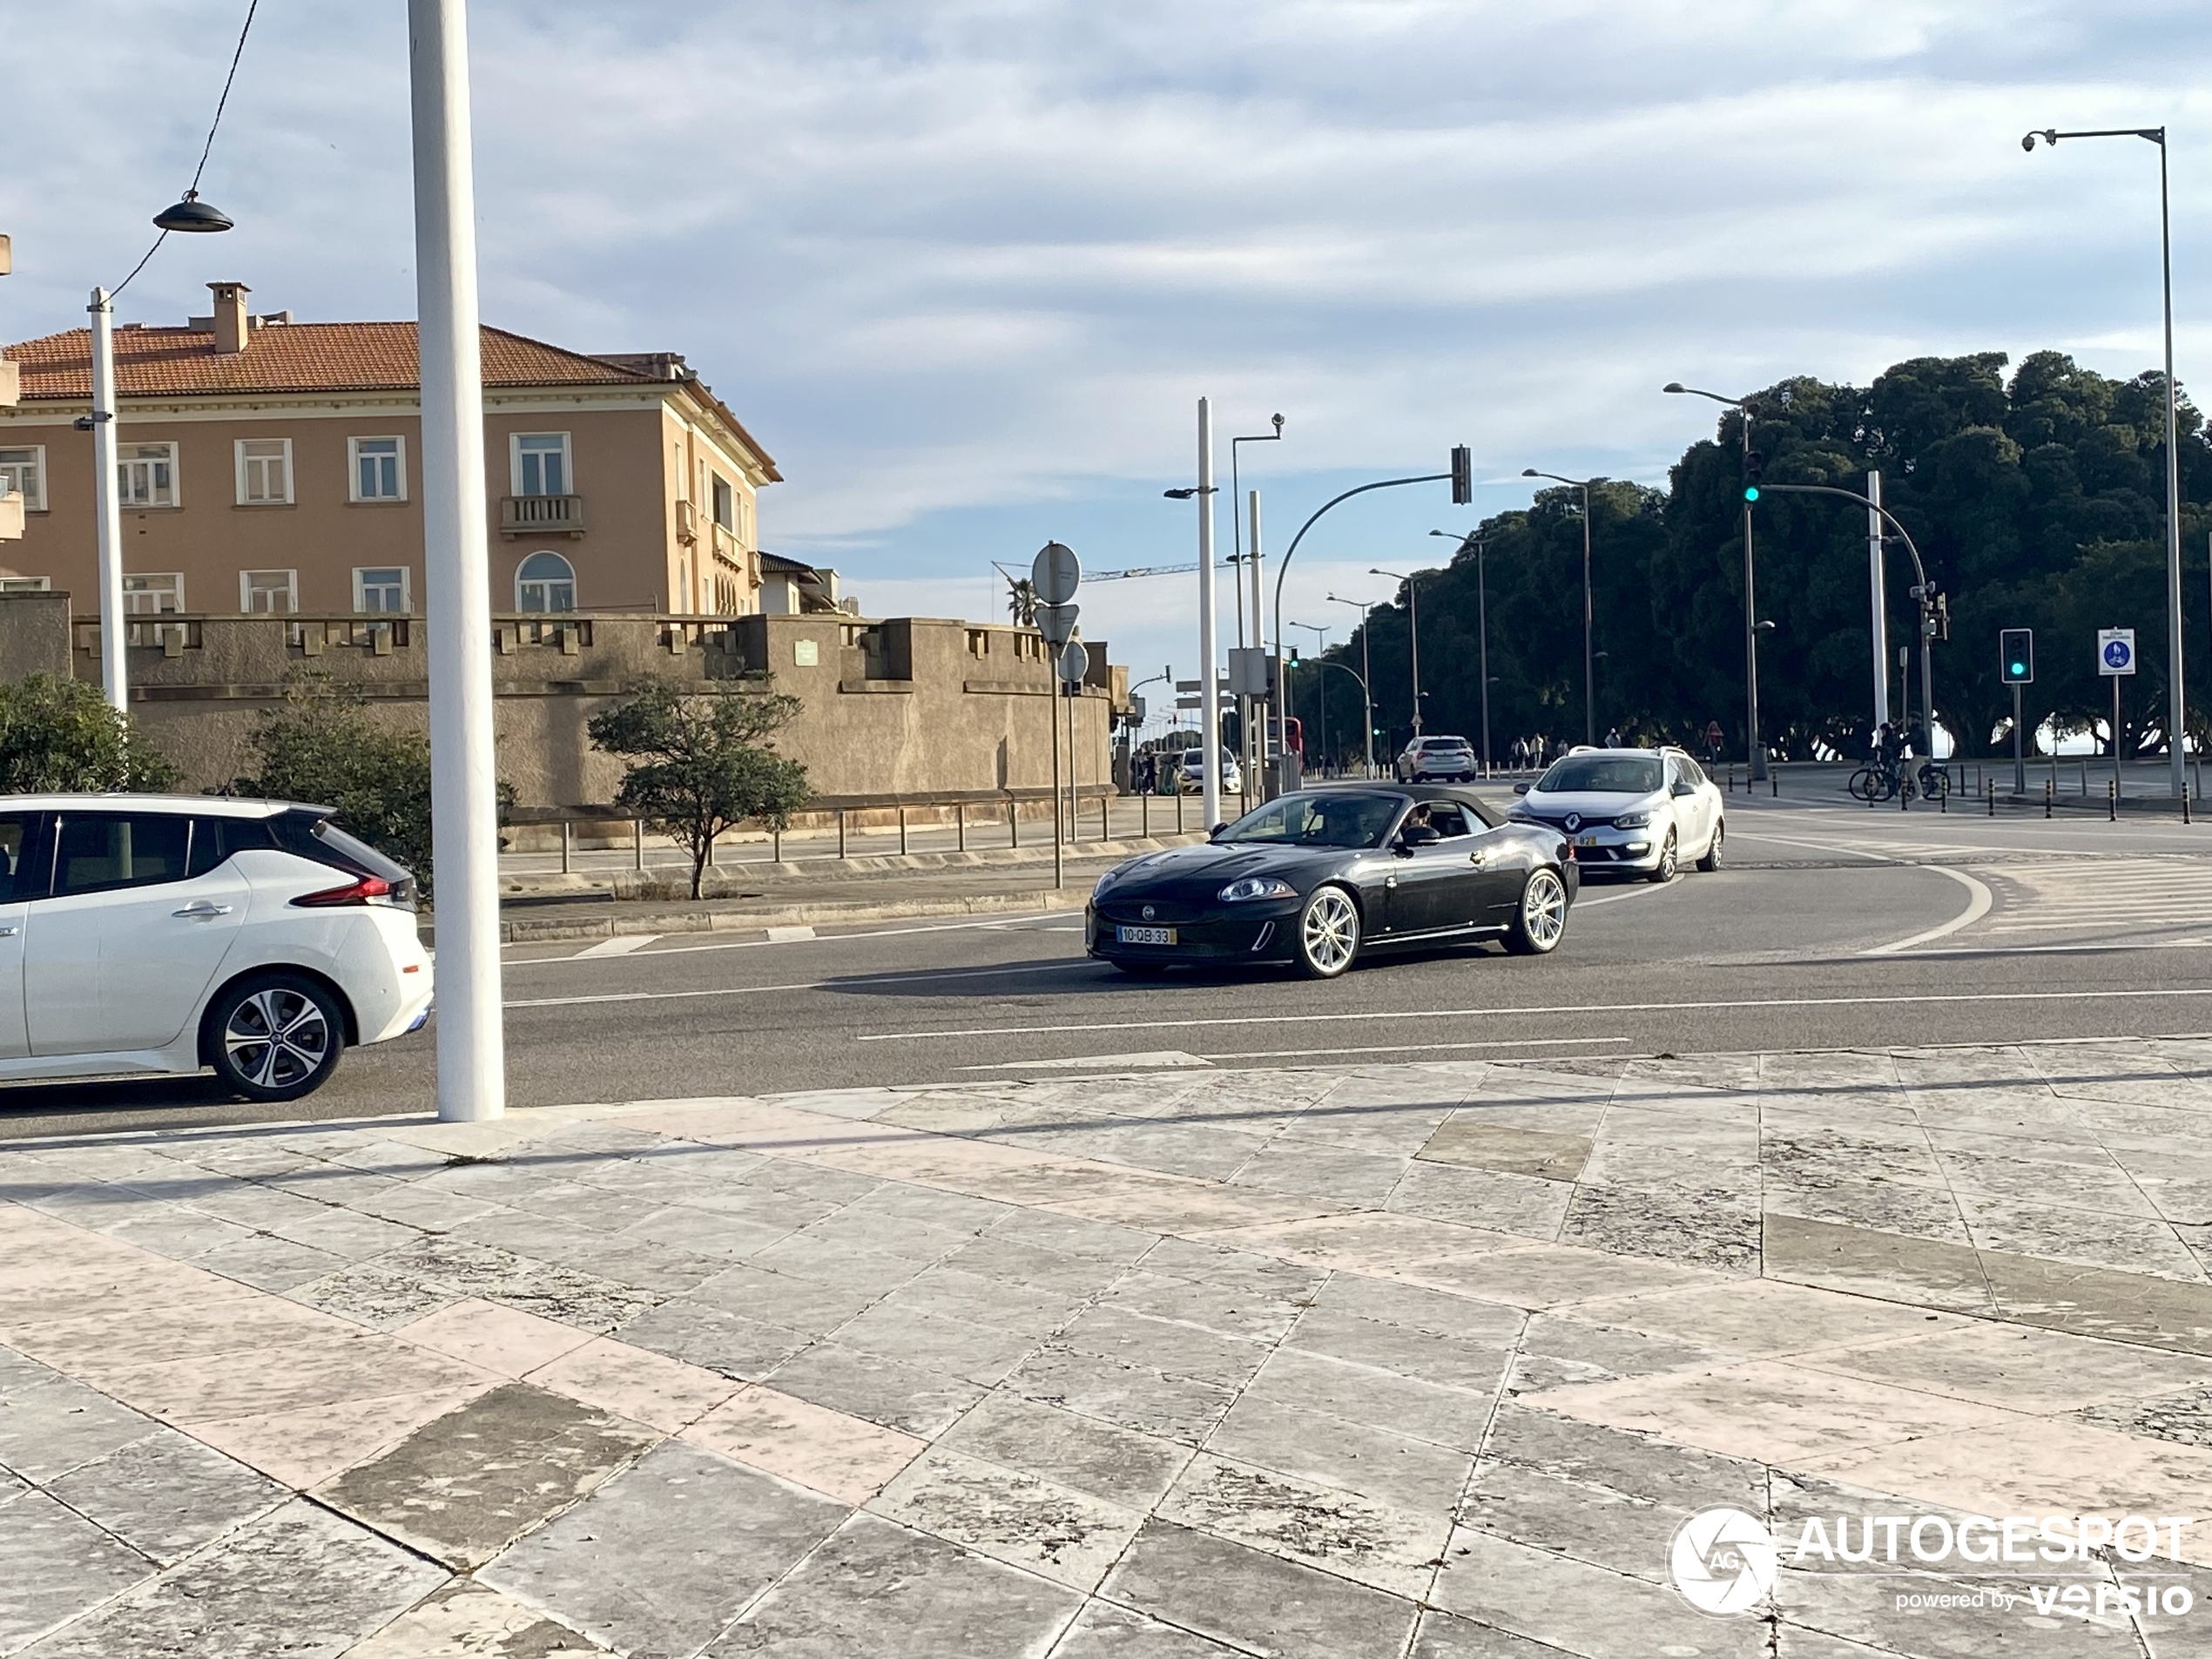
x=1588 y=840
x=1144 y=935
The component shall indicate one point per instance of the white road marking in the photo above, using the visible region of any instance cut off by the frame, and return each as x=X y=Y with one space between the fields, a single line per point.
x=1153 y=1060
x=753 y=990
x=789 y=935
x=1978 y=901
x=831 y=939
x=1549 y=1008
x=1131 y=1063
x=620 y=945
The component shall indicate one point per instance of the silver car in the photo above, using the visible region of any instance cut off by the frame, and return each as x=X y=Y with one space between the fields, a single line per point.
x=1190 y=774
x=1432 y=760
x=1639 y=811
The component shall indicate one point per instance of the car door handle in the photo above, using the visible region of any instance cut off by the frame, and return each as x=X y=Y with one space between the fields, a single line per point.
x=201 y=909
x=7 y=933
x=1478 y=859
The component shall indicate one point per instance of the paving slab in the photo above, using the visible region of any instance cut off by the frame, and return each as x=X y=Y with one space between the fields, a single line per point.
x=166 y=1494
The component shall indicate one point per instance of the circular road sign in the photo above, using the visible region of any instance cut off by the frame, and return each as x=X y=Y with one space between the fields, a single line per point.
x=2116 y=651
x=1075 y=662
x=1056 y=572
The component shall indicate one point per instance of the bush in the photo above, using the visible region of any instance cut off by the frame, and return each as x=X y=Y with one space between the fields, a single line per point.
x=704 y=761
x=60 y=736
x=322 y=747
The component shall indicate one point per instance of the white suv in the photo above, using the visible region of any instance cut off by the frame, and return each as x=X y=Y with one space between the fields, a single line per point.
x=167 y=932
x=1428 y=758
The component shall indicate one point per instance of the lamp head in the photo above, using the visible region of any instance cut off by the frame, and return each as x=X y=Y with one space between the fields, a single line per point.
x=1530 y=472
x=1673 y=385
x=2049 y=135
x=191 y=214
x=1278 y=424
x=1178 y=494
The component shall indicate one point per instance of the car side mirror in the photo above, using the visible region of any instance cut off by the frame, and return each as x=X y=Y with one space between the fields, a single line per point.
x=1521 y=789
x=1682 y=787
x=1415 y=835
x=1214 y=834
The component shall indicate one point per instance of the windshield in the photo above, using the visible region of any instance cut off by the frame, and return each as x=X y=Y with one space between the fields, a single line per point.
x=1602 y=775
x=1330 y=820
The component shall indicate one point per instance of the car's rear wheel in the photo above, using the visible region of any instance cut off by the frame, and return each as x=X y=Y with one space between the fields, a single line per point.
x=275 y=1036
x=1328 y=934
x=1539 y=922
x=1711 y=860
x=1669 y=860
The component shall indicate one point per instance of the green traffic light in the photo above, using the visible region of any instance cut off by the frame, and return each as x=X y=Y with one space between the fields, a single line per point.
x=2019 y=671
x=1751 y=492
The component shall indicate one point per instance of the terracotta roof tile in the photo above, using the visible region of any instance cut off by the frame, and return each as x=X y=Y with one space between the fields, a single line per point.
x=289 y=357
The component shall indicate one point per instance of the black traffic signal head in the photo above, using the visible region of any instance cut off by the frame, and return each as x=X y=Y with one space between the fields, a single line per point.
x=1462 y=474
x=1753 y=468
x=2016 y=656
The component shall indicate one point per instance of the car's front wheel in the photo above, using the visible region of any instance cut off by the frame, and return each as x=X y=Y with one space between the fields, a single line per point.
x=1669 y=860
x=1328 y=934
x=275 y=1036
x=1541 y=921
x=1710 y=860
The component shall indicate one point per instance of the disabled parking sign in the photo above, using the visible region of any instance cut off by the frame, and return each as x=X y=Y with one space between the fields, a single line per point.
x=2116 y=650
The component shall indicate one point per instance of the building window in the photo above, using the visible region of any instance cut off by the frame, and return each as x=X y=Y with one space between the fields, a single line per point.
x=25 y=583
x=541 y=463
x=264 y=472
x=725 y=505
x=268 y=592
x=382 y=588
x=149 y=595
x=545 y=582
x=380 y=468
x=146 y=474
x=23 y=472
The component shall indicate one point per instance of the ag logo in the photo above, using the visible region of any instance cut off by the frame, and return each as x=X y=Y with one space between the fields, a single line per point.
x=1147 y=913
x=1573 y=821
x=1722 y=1562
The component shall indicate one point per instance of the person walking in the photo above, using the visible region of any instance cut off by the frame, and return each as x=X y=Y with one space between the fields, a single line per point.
x=1714 y=737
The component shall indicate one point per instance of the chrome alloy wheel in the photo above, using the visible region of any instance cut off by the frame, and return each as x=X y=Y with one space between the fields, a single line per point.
x=1543 y=910
x=1329 y=932
x=277 y=1037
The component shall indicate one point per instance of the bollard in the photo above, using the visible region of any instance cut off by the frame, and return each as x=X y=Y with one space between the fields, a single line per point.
x=1943 y=800
x=902 y=832
x=776 y=842
x=2185 y=807
x=2111 y=800
x=1989 y=788
x=960 y=823
x=2050 y=788
x=1105 y=823
x=638 y=841
x=1144 y=815
x=1013 y=824
x=564 y=847
x=1774 y=777
x=840 y=831
x=1179 y=810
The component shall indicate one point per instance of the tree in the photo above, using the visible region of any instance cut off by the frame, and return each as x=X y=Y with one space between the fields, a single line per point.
x=321 y=745
x=61 y=736
x=702 y=761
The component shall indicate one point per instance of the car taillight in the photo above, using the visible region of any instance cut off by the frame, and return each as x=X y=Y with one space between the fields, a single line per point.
x=358 y=891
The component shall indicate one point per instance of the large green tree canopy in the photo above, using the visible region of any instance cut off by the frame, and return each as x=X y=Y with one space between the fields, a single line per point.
x=2036 y=502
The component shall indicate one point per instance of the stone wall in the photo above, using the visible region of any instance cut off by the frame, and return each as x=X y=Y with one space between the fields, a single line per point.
x=907 y=706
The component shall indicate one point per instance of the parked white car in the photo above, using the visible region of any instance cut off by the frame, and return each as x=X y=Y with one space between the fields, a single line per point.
x=1190 y=774
x=172 y=933
x=1640 y=810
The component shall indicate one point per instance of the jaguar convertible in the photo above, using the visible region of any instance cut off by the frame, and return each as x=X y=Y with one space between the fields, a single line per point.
x=1319 y=878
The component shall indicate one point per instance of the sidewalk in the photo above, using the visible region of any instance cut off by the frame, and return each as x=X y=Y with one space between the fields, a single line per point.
x=1433 y=1360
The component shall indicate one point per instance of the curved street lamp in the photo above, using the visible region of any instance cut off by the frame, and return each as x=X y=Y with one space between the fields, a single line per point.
x=1414 y=636
x=1757 y=755
x=2177 y=708
x=1363 y=606
x=1590 y=664
x=1476 y=539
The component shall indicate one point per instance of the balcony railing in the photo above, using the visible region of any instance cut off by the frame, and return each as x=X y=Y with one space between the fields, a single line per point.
x=541 y=515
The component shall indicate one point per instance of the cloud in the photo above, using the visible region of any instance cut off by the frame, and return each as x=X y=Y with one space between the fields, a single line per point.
x=965 y=265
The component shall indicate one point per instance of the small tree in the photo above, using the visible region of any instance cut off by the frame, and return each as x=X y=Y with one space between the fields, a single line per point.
x=702 y=761
x=60 y=736
x=320 y=746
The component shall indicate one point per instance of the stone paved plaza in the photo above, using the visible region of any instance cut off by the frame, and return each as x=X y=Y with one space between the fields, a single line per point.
x=1424 y=1359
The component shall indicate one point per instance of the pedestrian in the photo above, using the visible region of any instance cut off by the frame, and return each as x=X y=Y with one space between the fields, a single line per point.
x=1714 y=737
x=1613 y=737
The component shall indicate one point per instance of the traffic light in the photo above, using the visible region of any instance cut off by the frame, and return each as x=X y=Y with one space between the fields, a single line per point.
x=1753 y=468
x=1462 y=474
x=2016 y=656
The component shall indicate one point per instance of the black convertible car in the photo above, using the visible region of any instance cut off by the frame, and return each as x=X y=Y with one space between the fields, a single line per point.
x=1318 y=877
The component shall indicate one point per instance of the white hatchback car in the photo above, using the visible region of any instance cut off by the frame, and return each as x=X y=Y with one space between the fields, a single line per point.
x=1638 y=810
x=1190 y=774
x=169 y=933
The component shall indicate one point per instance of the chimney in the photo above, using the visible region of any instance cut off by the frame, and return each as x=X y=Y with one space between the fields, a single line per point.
x=230 y=317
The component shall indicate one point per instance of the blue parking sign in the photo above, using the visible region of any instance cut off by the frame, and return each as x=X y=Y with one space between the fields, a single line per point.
x=2116 y=650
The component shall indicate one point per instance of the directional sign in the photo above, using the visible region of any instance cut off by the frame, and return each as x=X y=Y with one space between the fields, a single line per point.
x=1075 y=662
x=1056 y=571
x=2116 y=650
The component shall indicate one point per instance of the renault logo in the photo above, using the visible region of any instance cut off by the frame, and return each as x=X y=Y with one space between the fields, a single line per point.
x=1574 y=821
x=1148 y=913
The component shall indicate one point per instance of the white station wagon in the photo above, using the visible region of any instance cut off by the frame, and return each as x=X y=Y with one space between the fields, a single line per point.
x=171 y=933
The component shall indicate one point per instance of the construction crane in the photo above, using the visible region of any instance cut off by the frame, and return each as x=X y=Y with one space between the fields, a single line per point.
x=1145 y=569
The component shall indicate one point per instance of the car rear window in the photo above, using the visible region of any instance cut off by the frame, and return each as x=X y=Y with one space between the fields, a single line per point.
x=215 y=839
x=1444 y=743
x=1603 y=775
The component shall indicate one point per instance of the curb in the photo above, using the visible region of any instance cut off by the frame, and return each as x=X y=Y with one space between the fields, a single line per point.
x=753 y=918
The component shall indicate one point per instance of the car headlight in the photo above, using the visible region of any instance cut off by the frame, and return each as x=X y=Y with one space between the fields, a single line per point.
x=1632 y=821
x=1258 y=887
x=1520 y=815
x=1104 y=882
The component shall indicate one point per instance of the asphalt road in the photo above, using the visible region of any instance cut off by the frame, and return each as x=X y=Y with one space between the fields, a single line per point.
x=1830 y=927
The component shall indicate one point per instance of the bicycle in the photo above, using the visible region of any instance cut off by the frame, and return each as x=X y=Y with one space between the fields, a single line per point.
x=1935 y=781
x=1872 y=783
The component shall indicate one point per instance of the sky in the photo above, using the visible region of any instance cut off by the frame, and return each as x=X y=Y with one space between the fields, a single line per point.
x=965 y=266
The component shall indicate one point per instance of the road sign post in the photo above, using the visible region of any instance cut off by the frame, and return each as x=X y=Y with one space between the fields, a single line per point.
x=1055 y=573
x=2116 y=662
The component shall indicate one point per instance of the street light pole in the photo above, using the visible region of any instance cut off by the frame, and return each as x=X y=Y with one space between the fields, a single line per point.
x=1589 y=658
x=1757 y=748
x=1320 y=645
x=2177 y=708
x=107 y=507
x=1366 y=675
x=1475 y=539
x=1413 y=638
x=464 y=789
x=1209 y=686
